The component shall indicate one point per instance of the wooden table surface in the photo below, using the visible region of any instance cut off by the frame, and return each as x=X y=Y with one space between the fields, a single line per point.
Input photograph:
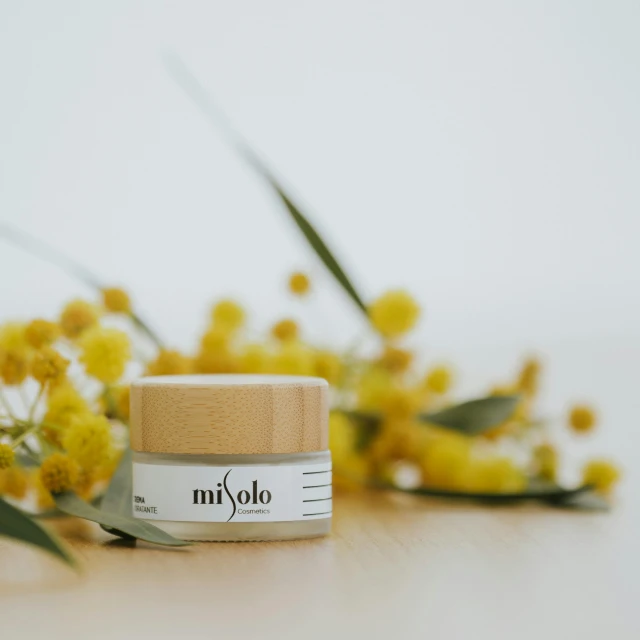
x=394 y=567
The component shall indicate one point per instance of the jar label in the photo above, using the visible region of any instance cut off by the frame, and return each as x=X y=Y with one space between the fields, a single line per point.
x=245 y=493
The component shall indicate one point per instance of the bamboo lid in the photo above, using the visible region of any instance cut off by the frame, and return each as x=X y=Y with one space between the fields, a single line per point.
x=229 y=414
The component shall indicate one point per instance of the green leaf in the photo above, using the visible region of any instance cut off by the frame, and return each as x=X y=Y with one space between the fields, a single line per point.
x=118 y=497
x=16 y=524
x=196 y=92
x=72 y=505
x=555 y=496
x=475 y=416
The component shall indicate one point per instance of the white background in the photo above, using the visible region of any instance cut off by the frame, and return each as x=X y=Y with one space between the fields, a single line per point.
x=482 y=154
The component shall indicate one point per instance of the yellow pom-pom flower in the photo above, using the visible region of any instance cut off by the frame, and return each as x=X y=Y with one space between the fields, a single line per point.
x=42 y=333
x=528 y=378
x=228 y=315
x=7 y=456
x=299 y=283
x=285 y=330
x=395 y=360
x=14 y=366
x=169 y=363
x=105 y=353
x=14 y=482
x=582 y=418
x=439 y=380
x=293 y=359
x=545 y=458
x=603 y=475
x=446 y=461
x=48 y=366
x=77 y=317
x=255 y=358
x=400 y=403
x=123 y=399
x=88 y=441
x=59 y=473
x=116 y=300
x=13 y=336
x=64 y=405
x=328 y=365
x=495 y=475
x=394 y=313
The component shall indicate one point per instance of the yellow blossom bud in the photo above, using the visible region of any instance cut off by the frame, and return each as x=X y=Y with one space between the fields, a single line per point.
x=603 y=475
x=64 y=405
x=371 y=387
x=439 y=379
x=7 y=456
x=255 y=358
x=528 y=379
x=394 y=313
x=328 y=365
x=400 y=403
x=105 y=353
x=446 y=461
x=582 y=418
x=77 y=317
x=396 y=360
x=293 y=359
x=123 y=397
x=88 y=440
x=495 y=475
x=545 y=458
x=41 y=333
x=342 y=437
x=59 y=473
x=44 y=499
x=13 y=482
x=169 y=363
x=299 y=284
x=14 y=366
x=116 y=300
x=285 y=330
x=13 y=336
x=228 y=316
x=48 y=366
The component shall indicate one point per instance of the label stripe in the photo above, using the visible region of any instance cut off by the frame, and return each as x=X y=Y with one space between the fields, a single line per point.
x=309 y=473
x=322 y=513
x=318 y=499
x=316 y=486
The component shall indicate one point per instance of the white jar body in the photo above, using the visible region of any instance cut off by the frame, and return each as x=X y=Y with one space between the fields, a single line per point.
x=234 y=497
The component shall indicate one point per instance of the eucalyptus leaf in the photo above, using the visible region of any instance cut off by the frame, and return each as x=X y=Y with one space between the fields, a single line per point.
x=119 y=494
x=16 y=524
x=200 y=97
x=556 y=496
x=475 y=416
x=118 y=497
x=72 y=505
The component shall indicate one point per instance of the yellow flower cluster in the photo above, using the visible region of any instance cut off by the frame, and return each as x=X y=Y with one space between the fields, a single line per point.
x=382 y=428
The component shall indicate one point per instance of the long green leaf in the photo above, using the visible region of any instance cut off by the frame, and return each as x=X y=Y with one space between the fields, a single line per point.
x=39 y=249
x=196 y=92
x=475 y=416
x=72 y=505
x=569 y=498
x=16 y=524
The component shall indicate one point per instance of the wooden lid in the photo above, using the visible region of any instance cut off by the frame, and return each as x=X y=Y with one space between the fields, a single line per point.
x=229 y=414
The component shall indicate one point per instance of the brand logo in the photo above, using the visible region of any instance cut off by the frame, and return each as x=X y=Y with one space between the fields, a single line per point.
x=251 y=496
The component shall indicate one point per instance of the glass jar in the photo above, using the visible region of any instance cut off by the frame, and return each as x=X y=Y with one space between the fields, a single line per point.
x=232 y=457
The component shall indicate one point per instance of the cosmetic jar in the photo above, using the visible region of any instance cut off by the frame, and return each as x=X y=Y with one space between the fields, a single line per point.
x=232 y=457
